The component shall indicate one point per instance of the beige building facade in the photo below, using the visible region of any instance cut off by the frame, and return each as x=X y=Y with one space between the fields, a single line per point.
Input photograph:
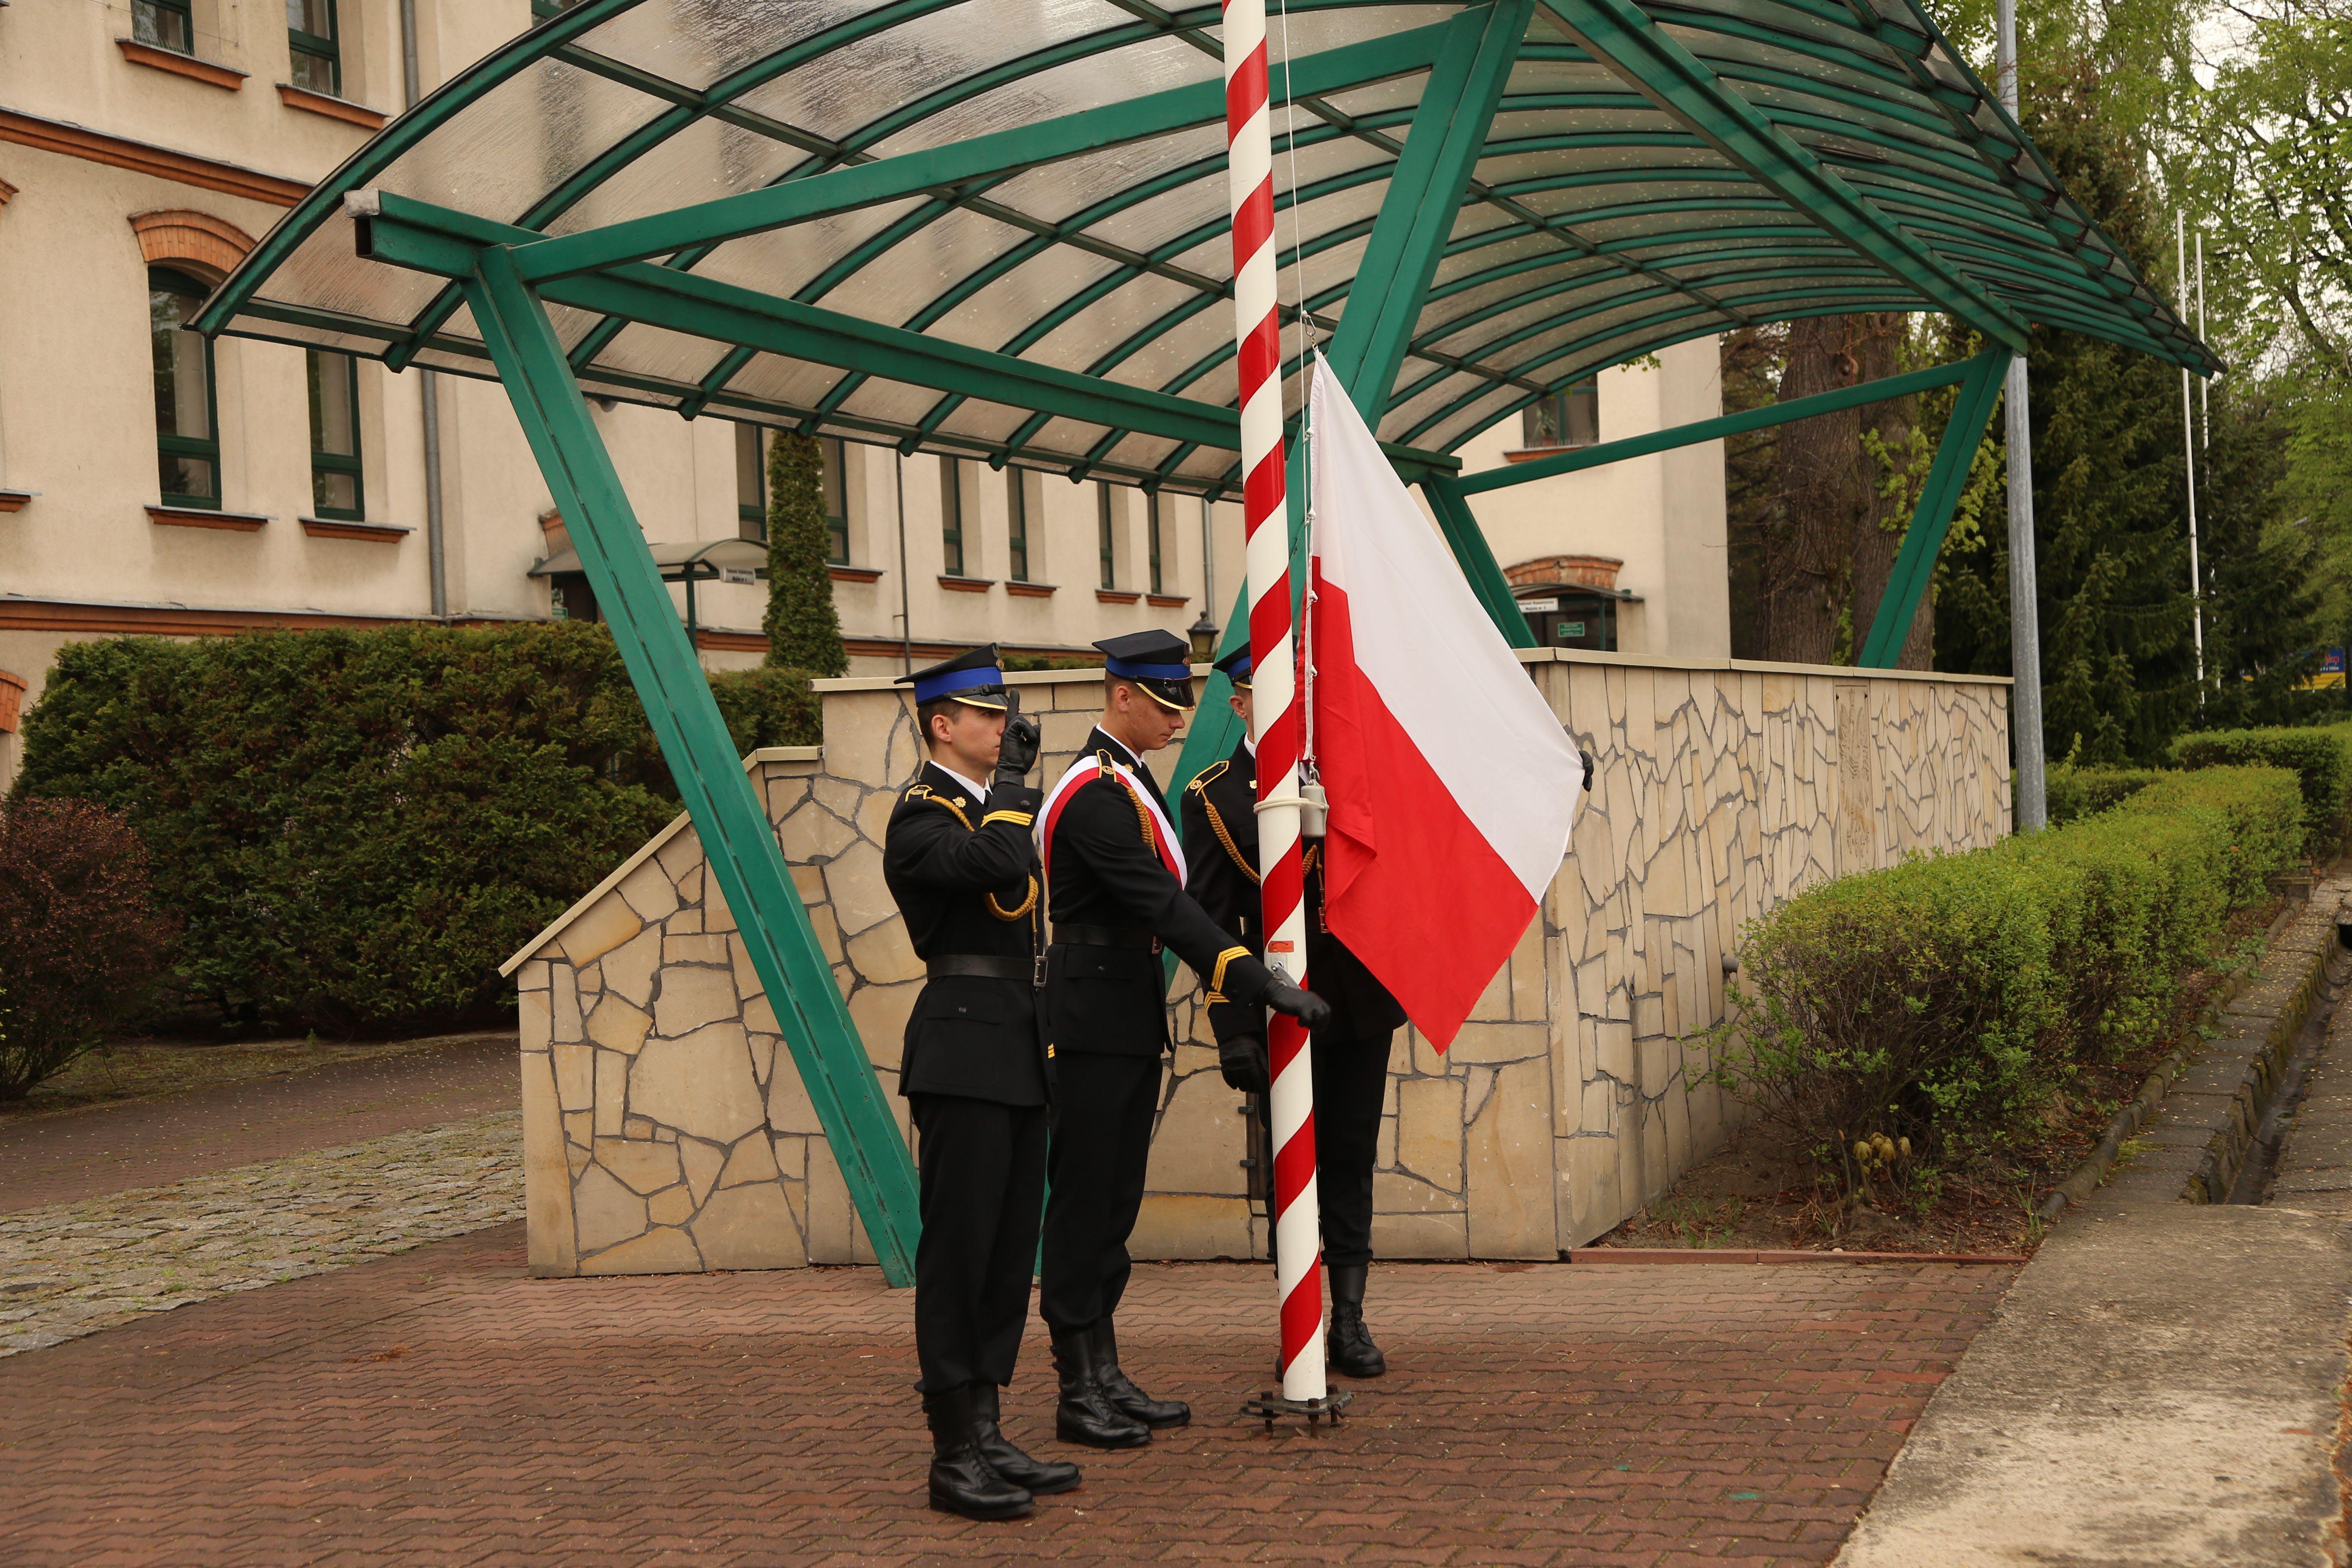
x=151 y=483
x=665 y=1125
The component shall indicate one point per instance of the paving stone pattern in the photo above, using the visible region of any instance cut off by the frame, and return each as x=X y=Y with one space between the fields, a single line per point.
x=70 y=1269
x=2315 y=1162
x=441 y=1407
x=666 y=1129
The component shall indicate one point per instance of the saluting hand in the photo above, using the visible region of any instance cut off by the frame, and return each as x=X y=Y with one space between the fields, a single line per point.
x=1018 y=752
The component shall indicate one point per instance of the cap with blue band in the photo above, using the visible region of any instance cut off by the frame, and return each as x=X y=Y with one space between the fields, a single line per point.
x=1140 y=671
x=929 y=687
x=1154 y=662
x=972 y=677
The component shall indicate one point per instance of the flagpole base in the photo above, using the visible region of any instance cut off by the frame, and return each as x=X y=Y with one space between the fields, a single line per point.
x=1270 y=1405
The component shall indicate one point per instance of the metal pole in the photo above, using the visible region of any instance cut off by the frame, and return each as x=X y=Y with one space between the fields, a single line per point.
x=2031 y=810
x=906 y=592
x=2189 y=451
x=1208 y=559
x=2204 y=383
x=437 y=549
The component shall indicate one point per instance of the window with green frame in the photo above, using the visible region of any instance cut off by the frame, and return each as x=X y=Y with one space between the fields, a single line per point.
x=165 y=24
x=336 y=489
x=951 y=517
x=187 y=432
x=1566 y=418
x=751 y=484
x=1016 y=525
x=833 y=464
x=1106 y=533
x=312 y=40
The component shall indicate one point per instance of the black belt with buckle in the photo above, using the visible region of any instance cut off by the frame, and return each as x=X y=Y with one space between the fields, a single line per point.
x=1071 y=934
x=980 y=966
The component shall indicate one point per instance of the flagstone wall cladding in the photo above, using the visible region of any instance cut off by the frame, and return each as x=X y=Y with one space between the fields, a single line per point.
x=666 y=1128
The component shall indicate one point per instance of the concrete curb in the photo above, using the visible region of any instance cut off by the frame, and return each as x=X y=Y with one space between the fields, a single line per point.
x=1625 y=1255
x=2200 y=1110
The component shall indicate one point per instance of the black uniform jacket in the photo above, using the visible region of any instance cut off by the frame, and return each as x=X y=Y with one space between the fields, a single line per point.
x=1221 y=853
x=965 y=875
x=1110 y=1000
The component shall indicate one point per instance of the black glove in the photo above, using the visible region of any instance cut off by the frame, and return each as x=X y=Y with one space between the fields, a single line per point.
x=1242 y=1061
x=1018 y=754
x=1304 y=1006
x=1585 y=758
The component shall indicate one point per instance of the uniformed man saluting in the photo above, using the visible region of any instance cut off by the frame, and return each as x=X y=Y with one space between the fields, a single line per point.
x=1115 y=878
x=1351 y=1048
x=959 y=860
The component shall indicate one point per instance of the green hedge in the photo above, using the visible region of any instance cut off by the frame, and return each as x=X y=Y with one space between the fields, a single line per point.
x=2320 y=758
x=1945 y=998
x=358 y=826
x=2075 y=792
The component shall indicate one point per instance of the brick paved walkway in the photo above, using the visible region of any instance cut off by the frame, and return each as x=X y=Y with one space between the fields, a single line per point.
x=438 y=1407
x=76 y=1154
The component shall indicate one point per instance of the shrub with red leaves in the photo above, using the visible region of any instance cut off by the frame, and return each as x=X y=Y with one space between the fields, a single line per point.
x=82 y=944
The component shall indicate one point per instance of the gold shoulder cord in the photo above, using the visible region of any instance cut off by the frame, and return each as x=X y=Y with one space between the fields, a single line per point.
x=1142 y=817
x=999 y=910
x=1199 y=785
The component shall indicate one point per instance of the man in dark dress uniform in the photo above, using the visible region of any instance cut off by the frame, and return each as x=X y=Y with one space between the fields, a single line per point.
x=1350 y=1050
x=1117 y=892
x=959 y=860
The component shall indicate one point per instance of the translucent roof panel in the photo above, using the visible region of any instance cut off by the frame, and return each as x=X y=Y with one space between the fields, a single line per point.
x=1655 y=171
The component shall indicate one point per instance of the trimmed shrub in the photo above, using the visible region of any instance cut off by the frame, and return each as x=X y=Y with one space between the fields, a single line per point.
x=1943 y=999
x=81 y=939
x=803 y=626
x=2077 y=793
x=358 y=826
x=2320 y=758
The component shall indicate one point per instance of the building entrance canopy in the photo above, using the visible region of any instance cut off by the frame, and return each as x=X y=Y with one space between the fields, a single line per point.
x=998 y=228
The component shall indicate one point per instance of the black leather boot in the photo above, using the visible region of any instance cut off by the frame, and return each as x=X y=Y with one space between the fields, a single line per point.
x=1347 y=1344
x=1040 y=1477
x=962 y=1480
x=1131 y=1400
x=1087 y=1413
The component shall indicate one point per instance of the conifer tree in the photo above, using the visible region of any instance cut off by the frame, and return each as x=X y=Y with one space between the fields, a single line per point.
x=803 y=626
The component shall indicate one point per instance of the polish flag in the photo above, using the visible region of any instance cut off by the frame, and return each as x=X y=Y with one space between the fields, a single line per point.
x=1452 y=785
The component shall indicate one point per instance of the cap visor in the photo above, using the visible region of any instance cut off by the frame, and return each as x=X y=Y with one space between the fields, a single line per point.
x=1160 y=691
x=991 y=701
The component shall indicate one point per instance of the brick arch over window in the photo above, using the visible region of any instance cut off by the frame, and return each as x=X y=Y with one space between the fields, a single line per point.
x=195 y=241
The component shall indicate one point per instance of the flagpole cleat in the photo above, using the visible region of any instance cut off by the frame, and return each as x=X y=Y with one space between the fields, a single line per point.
x=1269 y=1406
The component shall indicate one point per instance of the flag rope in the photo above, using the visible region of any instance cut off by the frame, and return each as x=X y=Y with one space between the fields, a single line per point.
x=1257 y=337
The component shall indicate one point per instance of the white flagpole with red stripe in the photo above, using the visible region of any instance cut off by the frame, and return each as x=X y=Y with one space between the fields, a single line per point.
x=1258 y=333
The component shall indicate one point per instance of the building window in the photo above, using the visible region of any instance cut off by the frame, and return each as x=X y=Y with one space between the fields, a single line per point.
x=166 y=24
x=187 y=436
x=751 y=484
x=310 y=38
x=1106 y=532
x=833 y=463
x=335 y=486
x=1016 y=525
x=951 y=517
x=1567 y=418
x=1156 y=523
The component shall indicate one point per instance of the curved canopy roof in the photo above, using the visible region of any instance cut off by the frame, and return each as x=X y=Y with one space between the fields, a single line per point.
x=1044 y=181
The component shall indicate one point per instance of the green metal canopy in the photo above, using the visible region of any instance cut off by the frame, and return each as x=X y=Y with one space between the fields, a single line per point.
x=1041 y=184
x=998 y=228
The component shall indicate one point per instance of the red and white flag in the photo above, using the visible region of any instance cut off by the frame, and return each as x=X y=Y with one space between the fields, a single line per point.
x=1453 y=785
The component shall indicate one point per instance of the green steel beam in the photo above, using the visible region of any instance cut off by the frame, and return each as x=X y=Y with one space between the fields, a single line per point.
x=1641 y=53
x=943 y=168
x=1424 y=195
x=1468 y=542
x=1691 y=435
x=736 y=835
x=434 y=240
x=1915 y=565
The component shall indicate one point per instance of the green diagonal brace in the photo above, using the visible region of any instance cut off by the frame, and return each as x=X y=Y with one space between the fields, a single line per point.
x=736 y=835
x=1469 y=545
x=1915 y=565
x=1625 y=39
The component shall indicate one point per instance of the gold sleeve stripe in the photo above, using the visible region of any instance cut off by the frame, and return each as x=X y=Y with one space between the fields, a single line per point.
x=1024 y=819
x=1217 y=981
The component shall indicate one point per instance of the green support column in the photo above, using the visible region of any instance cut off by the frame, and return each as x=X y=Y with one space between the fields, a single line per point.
x=727 y=813
x=1469 y=545
x=1915 y=565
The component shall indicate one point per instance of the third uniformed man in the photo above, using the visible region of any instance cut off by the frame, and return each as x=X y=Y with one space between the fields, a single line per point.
x=1351 y=1048
x=1115 y=890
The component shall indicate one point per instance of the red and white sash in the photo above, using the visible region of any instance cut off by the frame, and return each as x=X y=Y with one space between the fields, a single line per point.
x=1085 y=770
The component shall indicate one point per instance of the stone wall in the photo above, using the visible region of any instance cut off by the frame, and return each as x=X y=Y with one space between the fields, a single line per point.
x=665 y=1129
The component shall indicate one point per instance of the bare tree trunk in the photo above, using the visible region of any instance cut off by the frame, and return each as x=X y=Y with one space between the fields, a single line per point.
x=1886 y=498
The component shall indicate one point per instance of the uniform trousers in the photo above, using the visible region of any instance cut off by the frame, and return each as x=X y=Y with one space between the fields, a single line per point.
x=1351 y=1080
x=1103 y=1107
x=982 y=1167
